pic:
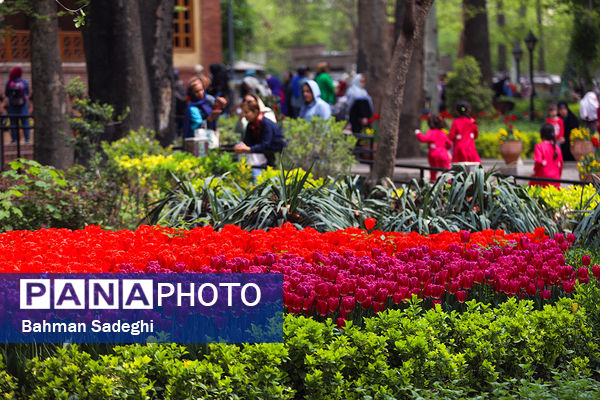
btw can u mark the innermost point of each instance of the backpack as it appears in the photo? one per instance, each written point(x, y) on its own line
point(16, 93)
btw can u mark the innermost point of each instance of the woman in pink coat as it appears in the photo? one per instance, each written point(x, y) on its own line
point(463, 133)
point(548, 158)
point(438, 144)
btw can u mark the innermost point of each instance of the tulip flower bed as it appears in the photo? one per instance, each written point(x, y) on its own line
point(346, 274)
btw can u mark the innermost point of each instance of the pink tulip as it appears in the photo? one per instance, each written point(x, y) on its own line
point(583, 275)
point(586, 259)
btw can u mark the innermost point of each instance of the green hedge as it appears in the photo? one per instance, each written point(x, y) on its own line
point(398, 354)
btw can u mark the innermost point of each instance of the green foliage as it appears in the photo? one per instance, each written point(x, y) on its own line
point(502, 352)
point(473, 201)
point(229, 130)
point(135, 145)
point(89, 122)
point(588, 230)
point(163, 371)
point(146, 172)
point(464, 83)
point(320, 144)
point(458, 200)
point(286, 23)
point(244, 25)
point(287, 196)
point(8, 385)
point(33, 196)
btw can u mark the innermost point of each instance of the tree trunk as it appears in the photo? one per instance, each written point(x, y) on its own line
point(412, 31)
point(116, 63)
point(373, 47)
point(501, 21)
point(158, 43)
point(476, 36)
point(49, 97)
point(540, 43)
point(431, 69)
point(412, 106)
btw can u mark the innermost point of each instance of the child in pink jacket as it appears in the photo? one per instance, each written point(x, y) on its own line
point(463, 133)
point(548, 158)
point(438, 144)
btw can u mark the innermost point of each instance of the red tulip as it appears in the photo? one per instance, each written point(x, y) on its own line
point(376, 116)
point(341, 323)
point(461, 296)
point(370, 223)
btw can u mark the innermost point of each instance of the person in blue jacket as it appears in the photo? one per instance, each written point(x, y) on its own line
point(313, 106)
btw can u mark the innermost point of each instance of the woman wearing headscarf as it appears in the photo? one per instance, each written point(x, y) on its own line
point(251, 84)
point(570, 122)
point(17, 94)
point(262, 139)
point(200, 110)
point(266, 112)
point(277, 91)
point(360, 105)
point(313, 106)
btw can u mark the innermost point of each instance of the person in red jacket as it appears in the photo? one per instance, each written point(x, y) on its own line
point(557, 122)
point(463, 133)
point(548, 158)
point(438, 143)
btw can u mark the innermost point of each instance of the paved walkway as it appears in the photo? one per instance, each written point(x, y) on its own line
point(523, 168)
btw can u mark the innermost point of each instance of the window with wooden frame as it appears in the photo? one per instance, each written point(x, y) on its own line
point(182, 26)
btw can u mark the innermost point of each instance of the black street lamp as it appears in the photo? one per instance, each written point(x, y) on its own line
point(517, 54)
point(530, 41)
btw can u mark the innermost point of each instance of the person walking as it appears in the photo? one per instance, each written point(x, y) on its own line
point(438, 144)
point(463, 133)
point(314, 105)
point(548, 158)
point(17, 94)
